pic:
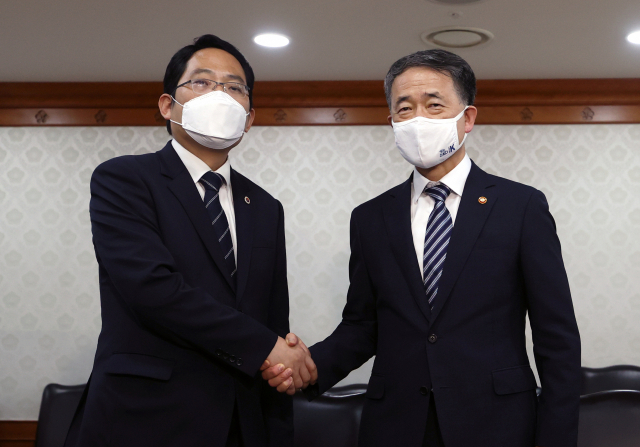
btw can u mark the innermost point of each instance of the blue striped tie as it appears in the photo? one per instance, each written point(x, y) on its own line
point(436, 240)
point(212, 181)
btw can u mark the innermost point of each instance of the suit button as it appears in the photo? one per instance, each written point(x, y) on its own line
point(225, 355)
point(433, 338)
point(424, 390)
point(239, 361)
point(218, 352)
point(232, 359)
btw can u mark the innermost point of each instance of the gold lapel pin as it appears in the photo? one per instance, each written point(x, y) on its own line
point(482, 200)
point(246, 199)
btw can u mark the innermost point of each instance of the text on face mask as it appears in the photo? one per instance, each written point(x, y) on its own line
point(445, 152)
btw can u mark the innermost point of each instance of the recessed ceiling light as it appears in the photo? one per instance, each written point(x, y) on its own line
point(271, 40)
point(456, 37)
point(634, 37)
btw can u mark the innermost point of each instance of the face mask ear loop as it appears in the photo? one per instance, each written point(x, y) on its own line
point(463, 140)
point(247, 114)
point(181, 104)
point(176, 101)
point(460, 115)
point(465, 134)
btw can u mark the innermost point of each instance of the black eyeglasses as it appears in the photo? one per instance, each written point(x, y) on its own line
point(204, 86)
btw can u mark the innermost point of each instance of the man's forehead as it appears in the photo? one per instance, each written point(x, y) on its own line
point(425, 80)
point(418, 76)
point(214, 61)
point(211, 73)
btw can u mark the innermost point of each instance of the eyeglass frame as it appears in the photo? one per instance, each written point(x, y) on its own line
point(223, 84)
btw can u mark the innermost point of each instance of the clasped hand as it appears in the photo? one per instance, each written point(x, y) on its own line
point(289, 366)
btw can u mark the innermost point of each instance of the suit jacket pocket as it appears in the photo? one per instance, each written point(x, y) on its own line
point(513, 380)
point(141, 365)
point(375, 388)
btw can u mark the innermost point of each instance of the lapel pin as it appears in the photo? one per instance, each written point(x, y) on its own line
point(482, 200)
point(246, 199)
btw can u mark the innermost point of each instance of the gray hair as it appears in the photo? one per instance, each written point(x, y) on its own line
point(464, 80)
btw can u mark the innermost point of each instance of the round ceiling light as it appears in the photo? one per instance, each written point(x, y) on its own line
point(456, 37)
point(634, 37)
point(271, 40)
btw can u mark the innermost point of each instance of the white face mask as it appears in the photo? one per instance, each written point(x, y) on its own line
point(214, 120)
point(426, 142)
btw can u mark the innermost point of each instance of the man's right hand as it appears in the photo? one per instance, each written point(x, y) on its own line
point(293, 363)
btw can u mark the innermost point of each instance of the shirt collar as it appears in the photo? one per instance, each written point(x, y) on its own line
point(454, 179)
point(196, 167)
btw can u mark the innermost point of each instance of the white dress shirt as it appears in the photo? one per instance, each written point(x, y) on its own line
point(422, 204)
point(197, 168)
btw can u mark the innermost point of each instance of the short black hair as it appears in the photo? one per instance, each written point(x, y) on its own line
point(178, 64)
point(443, 61)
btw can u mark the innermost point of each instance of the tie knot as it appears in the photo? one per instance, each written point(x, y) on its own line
point(438, 192)
point(212, 180)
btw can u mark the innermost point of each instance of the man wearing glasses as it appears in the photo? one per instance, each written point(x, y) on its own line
point(193, 281)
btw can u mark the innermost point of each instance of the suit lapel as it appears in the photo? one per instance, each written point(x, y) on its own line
point(470, 220)
point(244, 213)
point(397, 216)
point(182, 186)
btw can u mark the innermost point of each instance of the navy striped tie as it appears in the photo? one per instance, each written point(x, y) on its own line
point(436, 240)
point(212, 181)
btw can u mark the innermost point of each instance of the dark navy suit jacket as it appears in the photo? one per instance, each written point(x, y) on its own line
point(180, 344)
point(503, 260)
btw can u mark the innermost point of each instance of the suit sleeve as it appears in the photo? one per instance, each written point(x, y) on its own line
point(278, 407)
point(556, 340)
point(354, 340)
point(130, 249)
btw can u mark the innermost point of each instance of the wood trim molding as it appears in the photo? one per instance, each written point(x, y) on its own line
point(299, 103)
point(18, 433)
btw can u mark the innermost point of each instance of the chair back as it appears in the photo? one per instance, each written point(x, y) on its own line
point(610, 418)
point(331, 420)
point(59, 403)
point(618, 377)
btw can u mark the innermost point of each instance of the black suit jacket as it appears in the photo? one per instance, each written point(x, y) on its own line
point(503, 261)
point(180, 346)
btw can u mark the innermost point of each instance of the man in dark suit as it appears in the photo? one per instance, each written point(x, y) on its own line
point(444, 269)
point(193, 280)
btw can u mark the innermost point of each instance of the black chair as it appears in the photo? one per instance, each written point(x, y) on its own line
point(331, 420)
point(619, 377)
point(610, 419)
point(59, 403)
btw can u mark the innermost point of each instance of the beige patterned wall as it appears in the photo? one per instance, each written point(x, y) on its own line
point(49, 309)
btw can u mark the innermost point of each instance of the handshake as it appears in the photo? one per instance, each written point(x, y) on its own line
point(289, 366)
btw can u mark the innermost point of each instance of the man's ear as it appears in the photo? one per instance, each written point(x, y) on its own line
point(165, 104)
point(390, 120)
point(470, 118)
point(250, 118)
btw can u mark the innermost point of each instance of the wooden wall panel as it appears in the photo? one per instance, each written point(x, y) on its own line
point(542, 101)
point(81, 117)
point(18, 433)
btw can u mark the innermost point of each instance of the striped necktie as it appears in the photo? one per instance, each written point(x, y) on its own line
point(436, 240)
point(212, 181)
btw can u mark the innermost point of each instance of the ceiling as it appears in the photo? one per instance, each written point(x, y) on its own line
point(132, 40)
